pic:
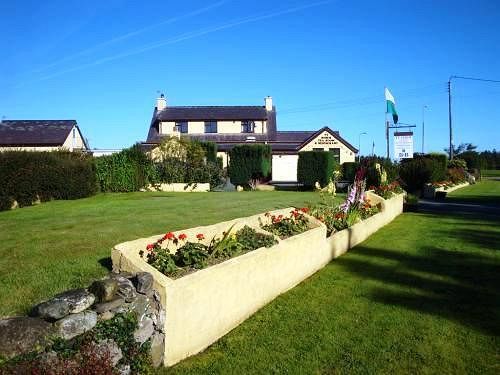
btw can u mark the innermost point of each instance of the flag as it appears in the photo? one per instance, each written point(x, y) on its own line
point(391, 105)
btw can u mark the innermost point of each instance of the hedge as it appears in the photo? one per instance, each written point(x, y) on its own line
point(349, 170)
point(249, 162)
point(27, 177)
point(315, 166)
point(210, 151)
point(125, 171)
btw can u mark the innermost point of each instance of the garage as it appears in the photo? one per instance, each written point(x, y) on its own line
point(285, 168)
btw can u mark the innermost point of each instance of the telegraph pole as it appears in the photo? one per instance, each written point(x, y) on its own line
point(449, 117)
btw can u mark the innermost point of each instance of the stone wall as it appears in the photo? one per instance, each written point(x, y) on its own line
point(75, 312)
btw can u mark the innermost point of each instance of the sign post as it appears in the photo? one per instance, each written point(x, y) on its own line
point(403, 145)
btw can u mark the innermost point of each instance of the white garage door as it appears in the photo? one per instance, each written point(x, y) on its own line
point(285, 167)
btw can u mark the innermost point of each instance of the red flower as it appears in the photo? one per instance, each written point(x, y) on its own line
point(150, 246)
point(200, 236)
point(305, 210)
point(182, 236)
point(169, 236)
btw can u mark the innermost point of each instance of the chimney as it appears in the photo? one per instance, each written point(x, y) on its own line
point(269, 103)
point(161, 103)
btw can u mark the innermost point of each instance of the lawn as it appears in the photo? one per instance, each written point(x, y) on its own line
point(419, 296)
point(58, 245)
point(485, 192)
point(490, 173)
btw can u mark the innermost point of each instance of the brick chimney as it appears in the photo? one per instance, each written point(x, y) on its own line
point(269, 103)
point(161, 103)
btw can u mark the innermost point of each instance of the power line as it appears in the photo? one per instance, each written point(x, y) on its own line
point(476, 79)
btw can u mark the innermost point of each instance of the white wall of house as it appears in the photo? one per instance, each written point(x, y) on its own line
point(223, 127)
point(326, 141)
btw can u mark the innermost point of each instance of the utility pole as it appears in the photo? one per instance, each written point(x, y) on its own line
point(449, 117)
point(359, 145)
point(387, 137)
point(423, 126)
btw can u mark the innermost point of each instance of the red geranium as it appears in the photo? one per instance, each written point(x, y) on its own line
point(169, 236)
point(200, 236)
point(305, 210)
point(182, 236)
point(150, 246)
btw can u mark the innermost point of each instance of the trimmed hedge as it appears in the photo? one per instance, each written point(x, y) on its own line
point(439, 166)
point(27, 177)
point(249, 162)
point(315, 166)
point(349, 170)
point(125, 171)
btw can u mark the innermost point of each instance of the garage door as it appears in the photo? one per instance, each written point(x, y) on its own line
point(285, 168)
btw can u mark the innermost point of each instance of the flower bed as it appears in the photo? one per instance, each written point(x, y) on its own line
point(203, 306)
point(430, 190)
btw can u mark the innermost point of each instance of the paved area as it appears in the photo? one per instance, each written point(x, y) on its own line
point(433, 206)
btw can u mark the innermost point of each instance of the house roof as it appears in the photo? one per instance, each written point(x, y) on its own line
point(335, 134)
point(35, 132)
point(202, 113)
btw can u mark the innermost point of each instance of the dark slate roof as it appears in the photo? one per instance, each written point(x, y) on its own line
point(335, 134)
point(221, 113)
point(35, 132)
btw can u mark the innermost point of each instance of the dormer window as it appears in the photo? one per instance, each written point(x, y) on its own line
point(181, 126)
point(211, 126)
point(247, 126)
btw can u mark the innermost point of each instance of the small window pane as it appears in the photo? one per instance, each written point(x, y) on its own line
point(318, 149)
point(181, 126)
point(210, 126)
point(247, 126)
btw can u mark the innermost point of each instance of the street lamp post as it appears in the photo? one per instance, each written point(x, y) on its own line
point(359, 145)
point(423, 126)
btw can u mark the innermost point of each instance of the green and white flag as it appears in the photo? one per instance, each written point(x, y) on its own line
point(391, 105)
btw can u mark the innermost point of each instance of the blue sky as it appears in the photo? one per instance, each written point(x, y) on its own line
point(324, 63)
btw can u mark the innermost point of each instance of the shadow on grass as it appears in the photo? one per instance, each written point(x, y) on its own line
point(492, 201)
point(106, 263)
point(450, 284)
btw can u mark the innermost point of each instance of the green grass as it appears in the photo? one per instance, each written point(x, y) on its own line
point(58, 245)
point(485, 192)
point(490, 173)
point(419, 296)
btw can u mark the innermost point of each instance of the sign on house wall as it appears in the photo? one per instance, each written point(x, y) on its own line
point(403, 145)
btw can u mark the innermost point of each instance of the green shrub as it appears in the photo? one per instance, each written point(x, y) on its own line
point(349, 171)
point(415, 172)
point(210, 149)
point(439, 166)
point(125, 171)
point(249, 163)
point(315, 166)
point(27, 177)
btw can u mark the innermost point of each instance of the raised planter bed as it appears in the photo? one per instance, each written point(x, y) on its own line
point(430, 191)
point(205, 305)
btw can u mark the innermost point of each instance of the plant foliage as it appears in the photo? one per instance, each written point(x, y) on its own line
point(249, 163)
point(315, 166)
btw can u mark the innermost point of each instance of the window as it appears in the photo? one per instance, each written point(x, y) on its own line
point(247, 126)
point(181, 126)
point(336, 154)
point(210, 126)
point(318, 149)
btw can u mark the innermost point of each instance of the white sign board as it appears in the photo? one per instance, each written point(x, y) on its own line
point(403, 145)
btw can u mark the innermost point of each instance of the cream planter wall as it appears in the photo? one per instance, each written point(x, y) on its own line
point(205, 305)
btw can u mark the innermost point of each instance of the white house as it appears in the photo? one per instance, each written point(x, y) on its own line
point(228, 126)
point(41, 135)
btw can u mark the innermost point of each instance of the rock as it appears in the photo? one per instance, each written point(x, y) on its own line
point(144, 330)
point(110, 305)
point(112, 348)
point(23, 334)
point(104, 290)
point(76, 324)
point(126, 275)
point(123, 369)
point(142, 307)
point(157, 349)
point(125, 288)
point(53, 309)
point(144, 282)
point(59, 306)
point(161, 320)
point(107, 315)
